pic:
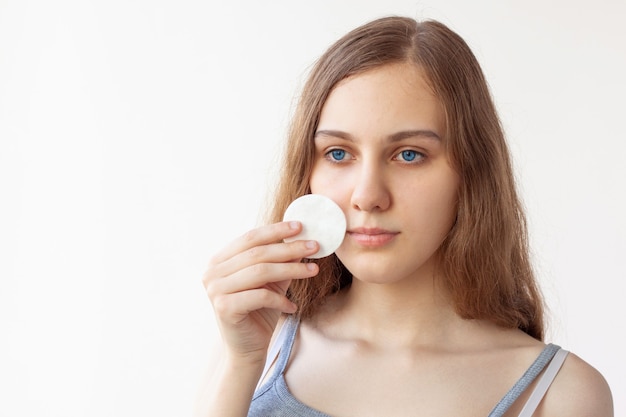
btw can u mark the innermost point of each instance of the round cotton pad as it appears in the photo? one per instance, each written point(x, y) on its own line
point(322, 220)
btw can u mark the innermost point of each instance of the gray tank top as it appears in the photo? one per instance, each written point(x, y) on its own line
point(273, 398)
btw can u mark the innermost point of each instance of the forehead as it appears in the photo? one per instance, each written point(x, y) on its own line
point(391, 97)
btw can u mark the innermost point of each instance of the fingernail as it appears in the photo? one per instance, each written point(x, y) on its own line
point(293, 225)
point(311, 244)
point(310, 266)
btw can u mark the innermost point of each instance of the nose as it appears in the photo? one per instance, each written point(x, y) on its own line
point(370, 191)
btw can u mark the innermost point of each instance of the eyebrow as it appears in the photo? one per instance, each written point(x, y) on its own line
point(398, 136)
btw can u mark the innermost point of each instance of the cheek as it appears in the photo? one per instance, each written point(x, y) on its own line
point(329, 183)
point(317, 181)
point(323, 181)
point(434, 203)
point(448, 203)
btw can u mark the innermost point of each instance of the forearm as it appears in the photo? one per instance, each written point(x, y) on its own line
point(229, 390)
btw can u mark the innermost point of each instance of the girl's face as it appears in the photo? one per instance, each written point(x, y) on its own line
point(380, 156)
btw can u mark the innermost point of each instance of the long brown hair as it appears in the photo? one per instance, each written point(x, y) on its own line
point(484, 260)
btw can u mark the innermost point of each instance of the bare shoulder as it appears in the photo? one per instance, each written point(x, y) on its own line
point(578, 390)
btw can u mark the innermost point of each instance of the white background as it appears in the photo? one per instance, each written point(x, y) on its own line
point(138, 137)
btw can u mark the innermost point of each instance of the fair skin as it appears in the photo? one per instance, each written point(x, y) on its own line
point(392, 343)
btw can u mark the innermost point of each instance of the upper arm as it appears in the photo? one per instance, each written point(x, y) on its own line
point(578, 390)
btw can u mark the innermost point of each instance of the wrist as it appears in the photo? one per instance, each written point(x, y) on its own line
point(232, 387)
point(244, 360)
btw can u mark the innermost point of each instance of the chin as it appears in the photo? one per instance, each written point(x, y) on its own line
point(372, 273)
point(376, 269)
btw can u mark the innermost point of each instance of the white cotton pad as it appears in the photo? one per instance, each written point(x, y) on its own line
point(322, 220)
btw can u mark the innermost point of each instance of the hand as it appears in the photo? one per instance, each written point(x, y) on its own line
point(247, 281)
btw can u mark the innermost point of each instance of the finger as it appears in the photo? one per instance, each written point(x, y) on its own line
point(236, 307)
point(260, 275)
point(271, 253)
point(260, 236)
point(274, 253)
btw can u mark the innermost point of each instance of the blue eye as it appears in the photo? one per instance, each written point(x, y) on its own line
point(337, 154)
point(408, 155)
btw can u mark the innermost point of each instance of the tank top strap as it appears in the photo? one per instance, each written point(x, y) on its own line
point(279, 352)
point(544, 383)
point(527, 378)
point(290, 330)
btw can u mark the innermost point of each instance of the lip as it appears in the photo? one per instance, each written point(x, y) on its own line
point(371, 237)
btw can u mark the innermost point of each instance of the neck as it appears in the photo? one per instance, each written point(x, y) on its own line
point(409, 312)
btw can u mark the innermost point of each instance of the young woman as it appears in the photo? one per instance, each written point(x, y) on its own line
point(429, 307)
